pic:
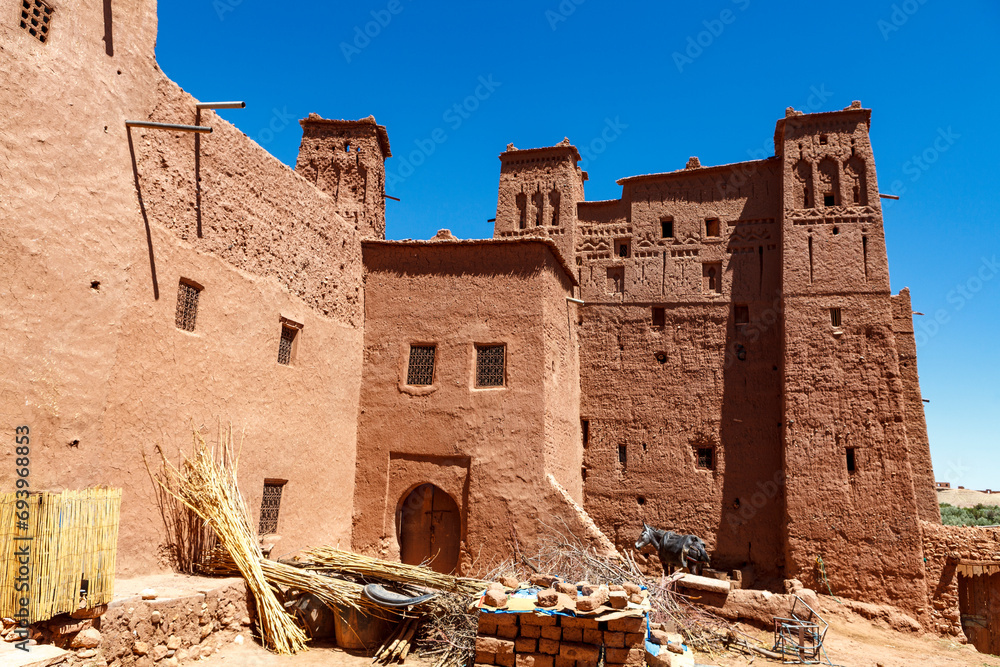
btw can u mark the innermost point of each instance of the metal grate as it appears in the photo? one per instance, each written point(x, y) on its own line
point(270, 503)
point(490, 365)
point(421, 370)
point(187, 306)
point(285, 344)
point(35, 18)
point(835, 317)
point(706, 458)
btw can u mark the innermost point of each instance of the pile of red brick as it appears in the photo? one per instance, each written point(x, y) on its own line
point(531, 639)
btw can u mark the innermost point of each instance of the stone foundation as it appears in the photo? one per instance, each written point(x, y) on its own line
point(164, 632)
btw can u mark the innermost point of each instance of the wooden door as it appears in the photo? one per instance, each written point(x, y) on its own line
point(979, 604)
point(429, 528)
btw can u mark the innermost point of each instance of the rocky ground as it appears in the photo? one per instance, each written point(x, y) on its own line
point(852, 641)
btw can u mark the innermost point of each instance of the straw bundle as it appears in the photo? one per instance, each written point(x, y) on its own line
point(328, 559)
point(208, 486)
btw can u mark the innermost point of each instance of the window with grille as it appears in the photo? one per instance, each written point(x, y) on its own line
point(286, 344)
point(270, 503)
point(187, 305)
point(706, 458)
point(835, 317)
point(490, 365)
point(421, 368)
point(35, 19)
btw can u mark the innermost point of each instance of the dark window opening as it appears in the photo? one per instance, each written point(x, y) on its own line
point(286, 344)
point(828, 199)
point(187, 306)
point(667, 228)
point(712, 227)
point(741, 314)
point(35, 19)
point(95, 284)
point(490, 361)
point(585, 427)
point(522, 210)
point(623, 249)
point(864, 253)
point(659, 317)
point(661, 357)
point(109, 41)
point(822, 139)
point(810, 260)
point(421, 368)
point(836, 230)
point(835, 317)
point(641, 500)
point(852, 464)
point(583, 473)
point(270, 503)
point(623, 455)
point(706, 458)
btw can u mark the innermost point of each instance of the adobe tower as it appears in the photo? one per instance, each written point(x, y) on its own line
point(346, 160)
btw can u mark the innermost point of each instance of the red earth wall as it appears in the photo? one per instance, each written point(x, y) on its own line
point(91, 266)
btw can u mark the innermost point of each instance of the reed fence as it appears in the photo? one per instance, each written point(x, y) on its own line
point(72, 542)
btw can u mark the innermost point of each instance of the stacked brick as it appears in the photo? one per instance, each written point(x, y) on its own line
point(531, 639)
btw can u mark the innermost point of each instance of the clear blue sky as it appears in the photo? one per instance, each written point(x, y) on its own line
point(674, 80)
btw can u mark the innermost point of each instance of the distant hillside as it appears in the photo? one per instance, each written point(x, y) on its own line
point(967, 497)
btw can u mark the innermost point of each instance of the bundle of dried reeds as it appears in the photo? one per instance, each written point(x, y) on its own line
point(207, 484)
point(328, 559)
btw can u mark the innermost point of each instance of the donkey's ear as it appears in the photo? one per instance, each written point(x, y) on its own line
point(645, 525)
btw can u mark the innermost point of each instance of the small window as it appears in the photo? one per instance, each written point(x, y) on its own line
point(852, 463)
point(667, 228)
point(186, 314)
point(741, 315)
point(712, 227)
point(490, 362)
point(585, 428)
point(823, 140)
point(659, 317)
point(421, 368)
point(287, 343)
point(616, 280)
point(711, 276)
point(270, 503)
point(661, 357)
point(623, 249)
point(828, 199)
point(623, 455)
point(706, 458)
point(835, 317)
point(35, 19)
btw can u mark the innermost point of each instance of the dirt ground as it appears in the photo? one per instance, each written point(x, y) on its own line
point(850, 642)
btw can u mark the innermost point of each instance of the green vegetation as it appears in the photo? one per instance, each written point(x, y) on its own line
point(980, 515)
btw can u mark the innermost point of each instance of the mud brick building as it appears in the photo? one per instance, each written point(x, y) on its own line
point(717, 351)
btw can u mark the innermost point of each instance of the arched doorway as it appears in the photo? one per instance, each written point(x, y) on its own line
point(429, 529)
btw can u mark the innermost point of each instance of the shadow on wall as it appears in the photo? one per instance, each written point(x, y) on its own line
point(752, 502)
point(145, 216)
